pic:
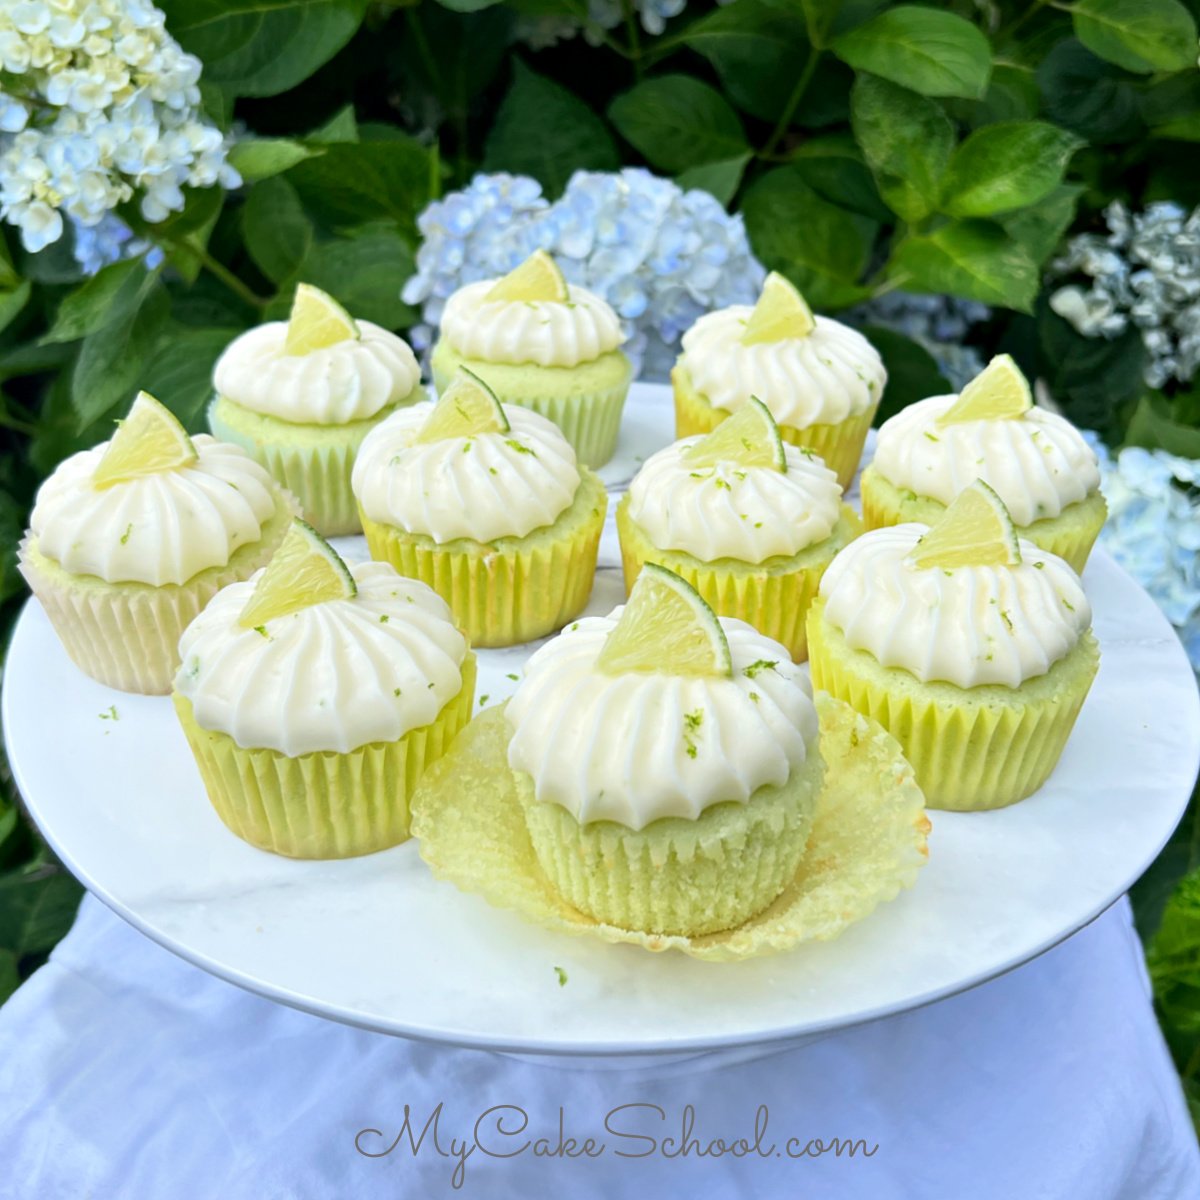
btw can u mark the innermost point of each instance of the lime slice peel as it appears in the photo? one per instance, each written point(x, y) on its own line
point(304, 571)
point(537, 278)
point(467, 408)
point(749, 438)
point(974, 531)
point(999, 392)
point(149, 440)
point(317, 321)
point(781, 313)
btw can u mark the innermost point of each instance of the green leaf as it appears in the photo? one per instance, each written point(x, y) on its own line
point(341, 127)
point(355, 182)
point(906, 140)
point(823, 249)
point(912, 372)
point(720, 179)
point(275, 229)
point(928, 50)
point(1154, 426)
point(13, 301)
point(179, 370)
point(833, 166)
point(37, 906)
point(10, 977)
point(1004, 166)
point(677, 122)
point(111, 360)
point(262, 47)
point(1088, 96)
point(113, 294)
point(467, 6)
point(364, 274)
point(1012, 95)
point(1040, 227)
point(1172, 107)
point(260, 158)
point(569, 136)
point(976, 260)
point(1173, 958)
point(755, 47)
point(1140, 35)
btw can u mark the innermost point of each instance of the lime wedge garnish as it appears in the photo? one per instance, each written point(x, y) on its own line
point(150, 439)
point(975, 531)
point(305, 570)
point(466, 408)
point(1000, 391)
point(749, 438)
point(537, 278)
point(317, 321)
point(666, 627)
point(781, 312)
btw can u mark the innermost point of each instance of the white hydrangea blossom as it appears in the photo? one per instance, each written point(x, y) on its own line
point(100, 105)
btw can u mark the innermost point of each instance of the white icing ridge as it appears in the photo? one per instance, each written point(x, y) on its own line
point(486, 486)
point(640, 746)
point(549, 333)
point(1038, 463)
point(330, 677)
point(821, 379)
point(348, 381)
point(161, 528)
point(968, 625)
point(731, 511)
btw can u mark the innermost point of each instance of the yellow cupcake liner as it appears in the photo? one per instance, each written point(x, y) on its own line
point(773, 596)
point(678, 876)
point(315, 468)
point(867, 843)
point(514, 590)
point(1071, 535)
point(971, 749)
point(324, 804)
point(126, 635)
point(840, 444)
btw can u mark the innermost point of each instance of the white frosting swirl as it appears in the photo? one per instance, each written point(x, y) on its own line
point(334, 676)
point(729, 511)
point(159, 529)
point(549, 333)
point(1038, 463)
point(831, 374)
point(486, 486)
point(967, 626)
point(348, 381)
point(636, 747)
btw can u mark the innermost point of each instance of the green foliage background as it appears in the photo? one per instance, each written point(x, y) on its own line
point(870, 146)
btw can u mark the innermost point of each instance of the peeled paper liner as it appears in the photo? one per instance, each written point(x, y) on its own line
point(868, 840)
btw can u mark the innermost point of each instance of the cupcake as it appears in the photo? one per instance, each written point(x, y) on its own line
point(1037, 462)
point(301, 395)
point(970, 646)
point(666, 761)
point(314, 695)
point(128, 541)
point(751, 522)
point(821, 380)
point(543, 344)
point(487, 504)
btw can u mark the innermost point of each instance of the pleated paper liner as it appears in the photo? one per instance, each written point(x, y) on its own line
point(313, 462)
point(840, 445)
point(1070, 535)
point(126, 635)
point(868, 841)
point(513, 590)
point(971, 748)
point(773, 596)
point(323, 805)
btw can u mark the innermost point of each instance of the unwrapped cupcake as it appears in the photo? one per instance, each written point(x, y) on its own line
point(314, 696)
point(487, 504)
point(301, 395)
point(544, 344)
point(750, 521)
point(667, 763)
point(128, 541)
point(1036, 461)
point(972, 647)
point(821, 380)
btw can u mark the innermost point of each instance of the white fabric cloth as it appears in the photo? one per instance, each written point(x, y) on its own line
point(128, 1074)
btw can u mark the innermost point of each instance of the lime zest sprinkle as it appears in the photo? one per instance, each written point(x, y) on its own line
point(383, 618)
point(111, 714)
point(128, 531)
point(484, 699)
point(561, 975)
point(691, 725)
point(395, 691)
point(262, 629)
point(512, 676)
point(756, 668)
point(519, 447)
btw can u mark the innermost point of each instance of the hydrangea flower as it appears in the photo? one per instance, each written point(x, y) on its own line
point(1153, 530)
point(662, 257)
point(542, 30)
point(109, 241)
point(1146, 272)
point(100, 104)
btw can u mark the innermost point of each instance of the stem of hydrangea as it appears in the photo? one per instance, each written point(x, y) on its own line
point(218, 270)
point(579, 8)
point(789, 111)
point(635, 37)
